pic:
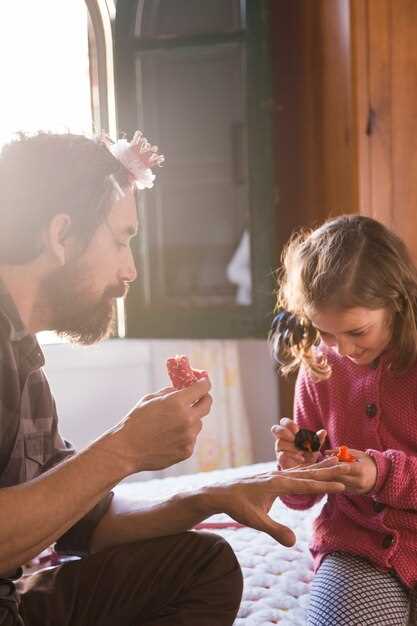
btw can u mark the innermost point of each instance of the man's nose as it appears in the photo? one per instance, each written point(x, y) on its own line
point(129, 272)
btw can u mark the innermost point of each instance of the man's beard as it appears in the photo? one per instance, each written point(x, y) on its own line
point(76, 312)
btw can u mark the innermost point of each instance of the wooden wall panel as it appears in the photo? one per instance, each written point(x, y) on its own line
point(404, 120)
point(372, 72)
point(384, 39)
point(361, 106)
point(312, 114)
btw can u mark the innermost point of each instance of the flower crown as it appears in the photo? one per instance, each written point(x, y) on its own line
point(138, 156)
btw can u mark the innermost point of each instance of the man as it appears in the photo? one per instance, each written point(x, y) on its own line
point(67, 218)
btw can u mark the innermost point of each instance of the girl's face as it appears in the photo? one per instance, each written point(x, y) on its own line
point(359, 334)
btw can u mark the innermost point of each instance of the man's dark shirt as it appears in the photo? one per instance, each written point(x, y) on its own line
point(30, 443)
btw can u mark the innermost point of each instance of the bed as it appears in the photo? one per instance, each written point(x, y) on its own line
point(276, 579)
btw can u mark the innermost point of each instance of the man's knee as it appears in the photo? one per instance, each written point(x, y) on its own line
point(8, 604)
point(9, 617)
point(223, 566)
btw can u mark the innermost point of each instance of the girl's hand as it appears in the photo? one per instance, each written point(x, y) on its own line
point(362, 476)
point(287, 454)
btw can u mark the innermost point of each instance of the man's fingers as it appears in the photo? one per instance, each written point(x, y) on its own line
point(328, 461)
point(192, 394)
point(325, 470)
point(311, 481)
point(157, 394)
point(284, 535)
point(302, 486)
point(202, 407)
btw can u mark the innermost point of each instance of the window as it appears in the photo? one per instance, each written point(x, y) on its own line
point(194, 75)
point(44, 67)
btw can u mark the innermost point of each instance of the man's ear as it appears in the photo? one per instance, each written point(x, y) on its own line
point(56, 237)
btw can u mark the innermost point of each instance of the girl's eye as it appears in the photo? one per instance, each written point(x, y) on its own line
point(357, 333)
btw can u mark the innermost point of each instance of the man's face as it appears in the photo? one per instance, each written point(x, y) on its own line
point(81, 294)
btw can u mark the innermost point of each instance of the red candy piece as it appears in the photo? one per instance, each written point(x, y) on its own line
point(344, 455)
point(181, 373)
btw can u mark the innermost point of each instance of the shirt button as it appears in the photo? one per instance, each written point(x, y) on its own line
point(378, 507)
point(388, 541)
point(371, 410)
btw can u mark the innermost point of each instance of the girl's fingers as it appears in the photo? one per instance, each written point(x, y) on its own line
point(310, 457)
point(290, 424)
point(352, 451)
point(285, 446)
point(321, 434)
point(281, 432)
point(288, 460)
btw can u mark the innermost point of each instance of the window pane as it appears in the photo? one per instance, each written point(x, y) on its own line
point(194, 101)
point(169, 18)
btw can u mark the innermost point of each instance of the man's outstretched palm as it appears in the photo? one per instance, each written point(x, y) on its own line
point(249, 500)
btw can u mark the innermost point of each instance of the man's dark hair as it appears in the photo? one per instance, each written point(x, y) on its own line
point(47, 174)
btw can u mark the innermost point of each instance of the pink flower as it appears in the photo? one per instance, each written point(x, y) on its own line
point(138, 156)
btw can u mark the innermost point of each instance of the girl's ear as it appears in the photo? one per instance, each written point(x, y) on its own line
point(56, 238)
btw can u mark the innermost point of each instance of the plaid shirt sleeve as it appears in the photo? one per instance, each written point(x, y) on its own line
point(30, 443)
point(77, 539)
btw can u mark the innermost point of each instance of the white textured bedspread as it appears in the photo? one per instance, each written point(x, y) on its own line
point(276, 578)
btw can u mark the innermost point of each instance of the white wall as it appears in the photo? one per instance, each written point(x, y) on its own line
point(96, 386)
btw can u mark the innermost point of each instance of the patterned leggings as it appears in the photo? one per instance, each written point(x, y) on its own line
point(349, 591)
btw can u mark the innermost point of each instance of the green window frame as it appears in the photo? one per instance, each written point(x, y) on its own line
point(158, 318)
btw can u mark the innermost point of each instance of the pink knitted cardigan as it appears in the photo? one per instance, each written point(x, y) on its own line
point(373, 409)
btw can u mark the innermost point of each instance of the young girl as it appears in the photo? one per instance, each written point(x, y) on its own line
point(347, 302)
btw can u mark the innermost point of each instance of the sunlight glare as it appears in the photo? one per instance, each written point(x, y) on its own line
point(44, 67)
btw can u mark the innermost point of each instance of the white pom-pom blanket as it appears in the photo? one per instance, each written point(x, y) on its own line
point(276, 579)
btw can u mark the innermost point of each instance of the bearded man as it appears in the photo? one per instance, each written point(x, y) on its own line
point(68, 215)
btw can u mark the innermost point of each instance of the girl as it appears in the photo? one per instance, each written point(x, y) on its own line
point(347, 303)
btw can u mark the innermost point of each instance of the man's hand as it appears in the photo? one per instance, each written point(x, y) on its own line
point(363, 473)
point(163, 427)
point(249, 500)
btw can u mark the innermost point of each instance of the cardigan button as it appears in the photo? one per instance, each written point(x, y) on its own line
point(371, 410)
point(388, 541)
point(378, 507)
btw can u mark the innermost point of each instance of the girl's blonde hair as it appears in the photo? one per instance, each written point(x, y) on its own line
point(350, 261)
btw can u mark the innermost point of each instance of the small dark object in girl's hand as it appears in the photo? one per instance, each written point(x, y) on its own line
point(307, 440)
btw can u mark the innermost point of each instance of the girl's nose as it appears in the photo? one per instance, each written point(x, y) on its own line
point(342, 346)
